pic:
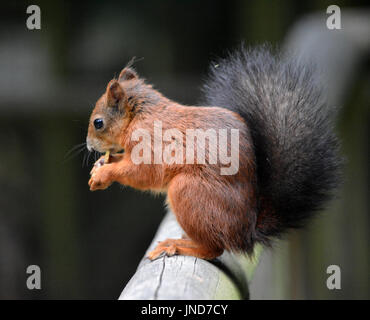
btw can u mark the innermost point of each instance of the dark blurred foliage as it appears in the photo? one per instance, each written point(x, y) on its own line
point(89, 244)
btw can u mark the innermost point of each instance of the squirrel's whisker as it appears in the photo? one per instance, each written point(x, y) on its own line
point(74, 151)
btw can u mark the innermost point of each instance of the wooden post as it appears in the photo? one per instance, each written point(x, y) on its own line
point(182, 277)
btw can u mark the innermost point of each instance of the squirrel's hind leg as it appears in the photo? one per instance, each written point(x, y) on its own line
point(186, 247)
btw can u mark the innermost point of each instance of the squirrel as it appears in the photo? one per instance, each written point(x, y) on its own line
point(288, 162)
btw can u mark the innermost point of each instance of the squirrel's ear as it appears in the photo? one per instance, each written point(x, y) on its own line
point(127, 74)
point(114, 93)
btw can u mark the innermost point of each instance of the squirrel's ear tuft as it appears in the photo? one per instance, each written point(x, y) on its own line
point(114, 93)
point(127, 74)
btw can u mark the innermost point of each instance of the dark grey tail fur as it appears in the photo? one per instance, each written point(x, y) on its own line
point(296, 149)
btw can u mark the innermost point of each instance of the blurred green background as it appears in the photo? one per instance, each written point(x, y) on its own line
point(89, 244)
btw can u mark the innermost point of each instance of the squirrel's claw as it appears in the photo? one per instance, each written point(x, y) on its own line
point(160, 251)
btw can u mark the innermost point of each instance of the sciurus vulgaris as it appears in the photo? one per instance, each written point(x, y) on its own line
point(288, 152)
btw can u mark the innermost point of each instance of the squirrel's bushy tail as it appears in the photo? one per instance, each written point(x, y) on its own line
point(296, 149)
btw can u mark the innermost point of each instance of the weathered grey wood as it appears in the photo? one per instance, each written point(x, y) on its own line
point(181, 277)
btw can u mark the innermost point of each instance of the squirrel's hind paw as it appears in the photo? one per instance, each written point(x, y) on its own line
point(161, 251)
point(184, 247)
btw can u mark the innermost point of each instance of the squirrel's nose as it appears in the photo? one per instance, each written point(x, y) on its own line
point(88, 145)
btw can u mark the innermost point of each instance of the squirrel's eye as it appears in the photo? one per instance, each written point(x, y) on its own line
point(98, 123)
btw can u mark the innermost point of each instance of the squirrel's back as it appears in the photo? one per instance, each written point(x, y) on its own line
point(282, 103)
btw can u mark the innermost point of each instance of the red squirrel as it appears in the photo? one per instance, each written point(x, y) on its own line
point(287, 165)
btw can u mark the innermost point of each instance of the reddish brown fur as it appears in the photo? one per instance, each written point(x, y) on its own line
point(216, 211)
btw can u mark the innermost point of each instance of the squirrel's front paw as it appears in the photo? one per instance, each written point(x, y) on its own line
point(100, 179)
point(101, 161)
point(97, 164)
